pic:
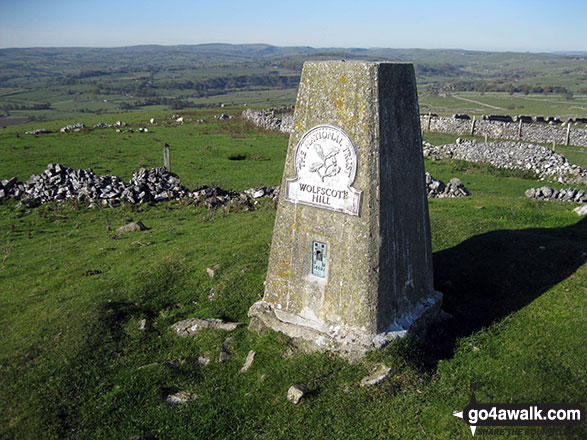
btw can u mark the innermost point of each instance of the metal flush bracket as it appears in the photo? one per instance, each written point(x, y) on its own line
point(319, 259)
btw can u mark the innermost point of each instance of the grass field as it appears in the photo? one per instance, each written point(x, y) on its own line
point(74, 364)
point(504, 104)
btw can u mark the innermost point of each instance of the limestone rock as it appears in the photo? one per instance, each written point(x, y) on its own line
point(248, 361)
point(581, 210)
point(296, 392)
point(212, 270)
point(131, 227)
point(73, 127)
point(379, 373)
point(437, 188)
point(180, 397)
point(191, 326)
point(203, 360)
point(38, 131)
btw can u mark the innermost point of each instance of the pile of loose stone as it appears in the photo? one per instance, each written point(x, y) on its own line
point(38, 131)
point(61, 183)
point(78, 126)
point(512, 155)
point(563, 195)
point(438, 189)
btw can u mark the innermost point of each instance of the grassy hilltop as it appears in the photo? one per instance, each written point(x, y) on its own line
point(74, 363)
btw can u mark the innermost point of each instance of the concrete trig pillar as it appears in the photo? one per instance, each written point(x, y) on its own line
point(351, 262)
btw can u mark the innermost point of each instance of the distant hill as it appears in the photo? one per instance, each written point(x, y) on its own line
point(70, 59)
point(58, 82)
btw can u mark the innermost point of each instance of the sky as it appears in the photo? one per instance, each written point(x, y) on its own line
point(494, 25)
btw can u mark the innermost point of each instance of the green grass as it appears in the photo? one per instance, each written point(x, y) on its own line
point(504, 104)
point(74, 364)
point(199, 153)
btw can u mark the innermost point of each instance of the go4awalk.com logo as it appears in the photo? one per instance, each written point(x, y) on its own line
point(526, 418)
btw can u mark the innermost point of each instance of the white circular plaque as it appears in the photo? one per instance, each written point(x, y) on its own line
point(326, 166)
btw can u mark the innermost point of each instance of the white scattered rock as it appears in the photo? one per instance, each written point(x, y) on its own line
point(190, 326)
point(131, 227)
point(248, 361)
point(379, 373)
point(71, 128)
point(296, 392)
point(38, 131)
point(203, 360)
point(581, 210)
point(180, 398)
point(143, 324)
point(212, 270)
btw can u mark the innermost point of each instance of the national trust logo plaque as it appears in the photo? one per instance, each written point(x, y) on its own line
point(326, 166)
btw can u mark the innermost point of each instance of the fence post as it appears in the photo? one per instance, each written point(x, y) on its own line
point(568, 138)
point(473, 126)
point(166, 158)
point(520, 130)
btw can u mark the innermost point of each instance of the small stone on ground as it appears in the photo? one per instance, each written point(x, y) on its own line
point(380, 373)
point(581, 210)
point(191, 326)
point(131, 227)
point(180, 397)
point(212, 270)
point(296, 392)
point(248, 361)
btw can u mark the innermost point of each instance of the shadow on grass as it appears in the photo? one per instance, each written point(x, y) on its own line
point(489, 276)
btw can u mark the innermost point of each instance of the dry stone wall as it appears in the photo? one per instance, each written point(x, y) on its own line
point(530, 132)
point(560, 195)
point(280, 119)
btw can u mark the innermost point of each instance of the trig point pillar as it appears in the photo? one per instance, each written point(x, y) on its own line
point(351, 263)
